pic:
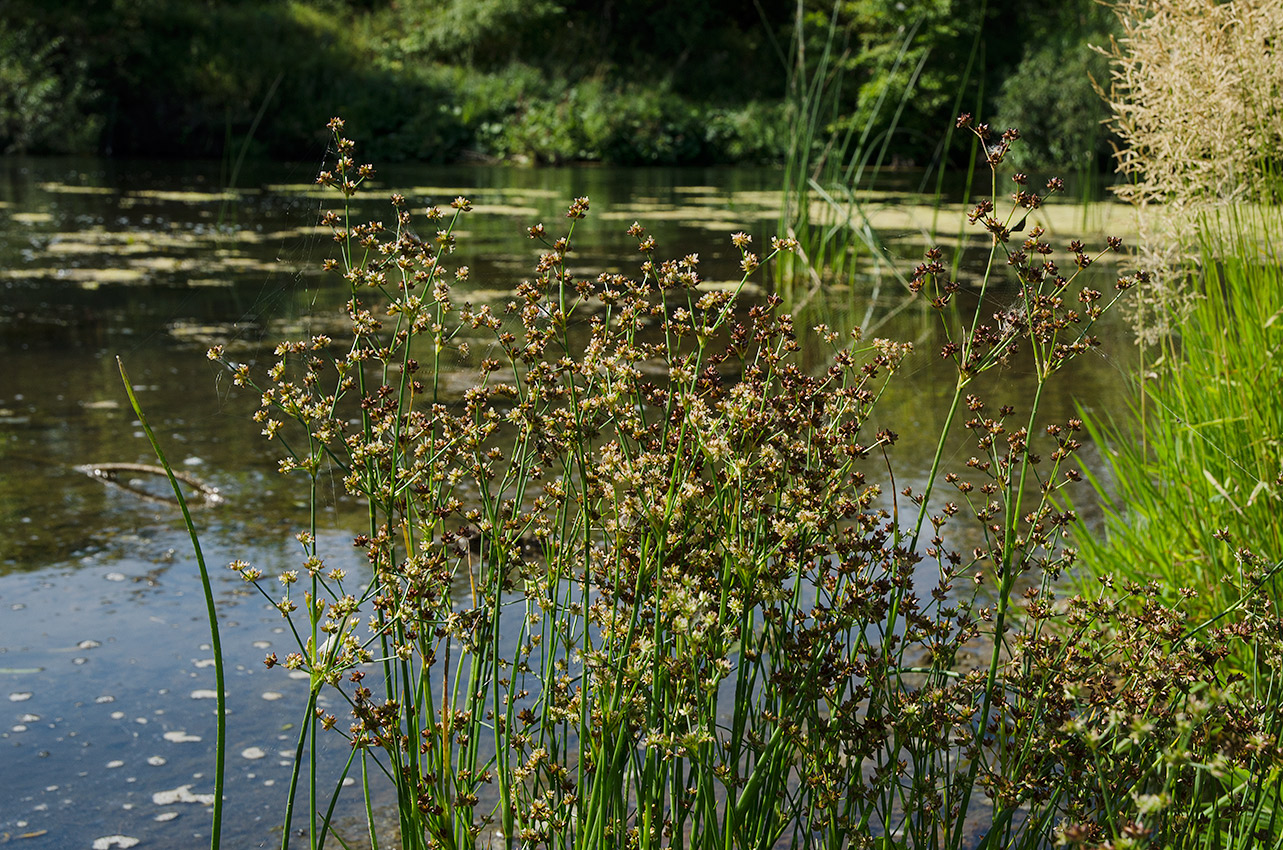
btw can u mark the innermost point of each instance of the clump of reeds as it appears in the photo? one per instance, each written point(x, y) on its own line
point(829, 160)
point(650, 582)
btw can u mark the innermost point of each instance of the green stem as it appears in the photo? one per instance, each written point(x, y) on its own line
point(935, 461)
point(294, 771)
point(215, 642)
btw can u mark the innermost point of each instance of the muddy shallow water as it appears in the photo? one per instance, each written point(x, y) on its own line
point(106, 683)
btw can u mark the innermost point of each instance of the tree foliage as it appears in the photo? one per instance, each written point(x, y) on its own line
point(547, 80)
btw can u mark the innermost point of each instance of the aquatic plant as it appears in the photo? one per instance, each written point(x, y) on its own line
point(826, 160)
point(216, 643)
point(651, 581)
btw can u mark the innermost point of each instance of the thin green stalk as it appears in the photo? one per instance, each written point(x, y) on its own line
point(936, 459)
point(249, 137)
point(297, 767)
point(369, 803)
point(314, 615)
point(328, 819)
point(210, 612)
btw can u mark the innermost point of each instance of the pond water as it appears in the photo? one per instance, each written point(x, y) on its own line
point(106, 683)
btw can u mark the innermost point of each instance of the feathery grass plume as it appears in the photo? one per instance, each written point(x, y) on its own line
point(1194, 92)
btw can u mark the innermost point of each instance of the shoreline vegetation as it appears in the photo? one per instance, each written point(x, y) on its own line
point(733, 628)
point(651, 580)
point(549, 81)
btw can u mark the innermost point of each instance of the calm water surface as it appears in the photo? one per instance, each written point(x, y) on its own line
point(106, 700)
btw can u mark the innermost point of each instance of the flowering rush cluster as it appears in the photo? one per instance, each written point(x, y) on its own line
point(636, 569)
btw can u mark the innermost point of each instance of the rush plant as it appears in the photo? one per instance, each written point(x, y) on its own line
point(649, 580)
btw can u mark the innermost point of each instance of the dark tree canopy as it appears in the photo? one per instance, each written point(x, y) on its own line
point(671, 81)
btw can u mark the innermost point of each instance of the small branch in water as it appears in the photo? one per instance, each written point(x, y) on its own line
point(107, 472)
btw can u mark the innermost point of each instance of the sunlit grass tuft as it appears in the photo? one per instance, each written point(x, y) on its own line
point(1201, 465)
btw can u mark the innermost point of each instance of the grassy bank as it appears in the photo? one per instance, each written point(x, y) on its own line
point(1194, 478)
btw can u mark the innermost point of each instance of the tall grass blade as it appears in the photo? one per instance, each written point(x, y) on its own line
point(1206, 467)
point(215, 642)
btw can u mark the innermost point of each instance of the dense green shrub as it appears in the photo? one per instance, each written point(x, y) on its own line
point(633, 126)
point(1025, 61)
point(548, 81)
point(1051, 93)
point(44, 93)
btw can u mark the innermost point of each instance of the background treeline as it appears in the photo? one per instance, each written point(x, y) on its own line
point(535, 80)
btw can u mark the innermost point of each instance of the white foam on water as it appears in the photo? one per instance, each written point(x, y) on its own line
point(108, 841)
point(252, 753)
point(180, 737)
point(181, 794)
